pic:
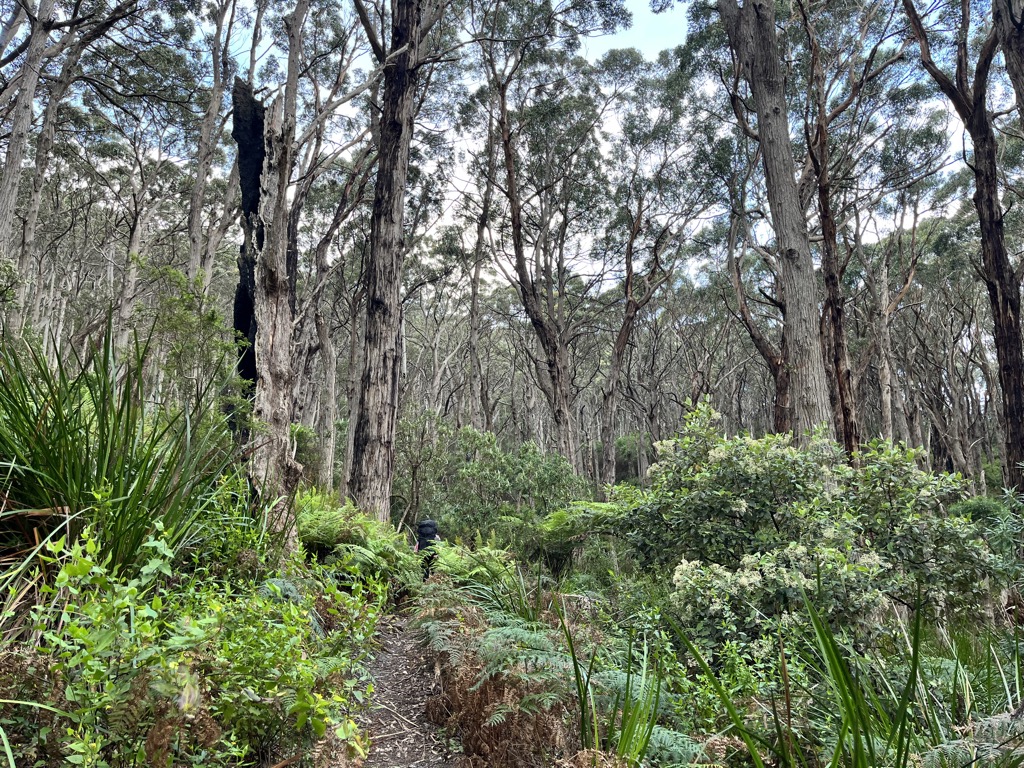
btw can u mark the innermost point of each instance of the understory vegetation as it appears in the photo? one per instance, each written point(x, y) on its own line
point(758, 603)
point(148, 617)
point(751, 603)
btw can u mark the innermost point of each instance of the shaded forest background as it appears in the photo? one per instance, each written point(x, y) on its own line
point(584, 248)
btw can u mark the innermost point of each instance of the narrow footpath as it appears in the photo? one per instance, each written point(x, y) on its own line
point(403, 680)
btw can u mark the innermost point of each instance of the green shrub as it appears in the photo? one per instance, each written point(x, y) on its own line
point(202, 673)
point(981, 509)
point(484, 563)
point(566, 531)
point(470, 484)
point(307, 449)
point(765, 592)
point(232, 542)
point(751, 525)
point(717, 499)
point(1000, 523)
point(916, 702)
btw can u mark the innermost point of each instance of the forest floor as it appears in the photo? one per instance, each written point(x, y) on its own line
point(396, 721)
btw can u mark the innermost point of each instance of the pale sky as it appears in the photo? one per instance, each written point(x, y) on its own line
point(651, 33)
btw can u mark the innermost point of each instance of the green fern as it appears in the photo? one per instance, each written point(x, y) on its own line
point(992, 741)
point(670, 748)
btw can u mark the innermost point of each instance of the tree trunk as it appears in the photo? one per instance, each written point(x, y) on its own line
point(58, 88)
point(1004, 298)
point(885, 379)
point(129, 280)
point(847, 425)
point(775, 359)
point(565, 425)
point(274, 473)
point(328, 403)
point(200, 257)
point(477, 395)
point(655, 279)
point(247, 131)
point(355, 364)
point(609, 405)
point(1003, 285)
point(968, 93)
point(17, 143)
point(374, 438)
point(782, 412)
point(752, 37)
point(1008, 18)
point(44, 147)
point(555, 377)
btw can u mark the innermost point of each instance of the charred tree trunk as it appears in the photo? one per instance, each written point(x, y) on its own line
point(373, 446)
point(247, 131)
point(273, 471)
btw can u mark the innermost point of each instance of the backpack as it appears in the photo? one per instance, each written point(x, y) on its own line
point(426, 534)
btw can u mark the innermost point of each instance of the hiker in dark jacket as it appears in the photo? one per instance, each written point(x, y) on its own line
point(426, 535)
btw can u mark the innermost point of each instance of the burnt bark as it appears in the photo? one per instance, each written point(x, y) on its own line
point(273, 471)
point(247, 131)
point(373, 444)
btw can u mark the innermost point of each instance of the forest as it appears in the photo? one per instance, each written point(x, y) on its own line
point(392, 383)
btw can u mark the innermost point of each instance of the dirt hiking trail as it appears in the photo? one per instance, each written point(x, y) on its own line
point(396, 721)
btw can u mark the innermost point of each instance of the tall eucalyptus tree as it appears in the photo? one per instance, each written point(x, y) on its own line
point(969, 90)
point(758, 59)
point(548, 108)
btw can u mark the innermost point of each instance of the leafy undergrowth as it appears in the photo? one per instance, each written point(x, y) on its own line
point(146, 614)
point(529, 679)
point(150, 669)
point(760, 604)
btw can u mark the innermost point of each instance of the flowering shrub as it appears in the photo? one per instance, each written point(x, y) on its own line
point(767, 588)
point(750, 526)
